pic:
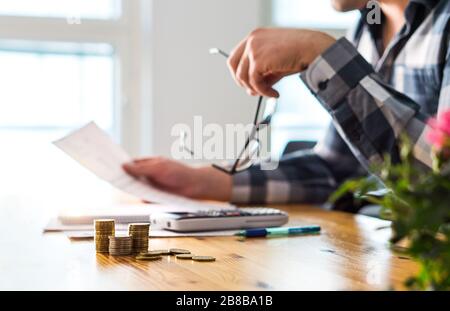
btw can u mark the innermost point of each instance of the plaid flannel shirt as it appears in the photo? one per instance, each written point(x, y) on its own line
point(373, 99)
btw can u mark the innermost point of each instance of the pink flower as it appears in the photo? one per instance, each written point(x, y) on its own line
point(436, 138)
point(439, 133)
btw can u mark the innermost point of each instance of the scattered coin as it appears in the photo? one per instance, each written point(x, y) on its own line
point(203, 258)
point(151, 253)
point(163, 252)
point(178, 251)
point(148, 258)
point(184, 256)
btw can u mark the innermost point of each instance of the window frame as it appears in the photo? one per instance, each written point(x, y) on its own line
point(129, 34)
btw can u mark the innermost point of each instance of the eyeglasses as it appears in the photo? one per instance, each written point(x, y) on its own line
point(250, 153)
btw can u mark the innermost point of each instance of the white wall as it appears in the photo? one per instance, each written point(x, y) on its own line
point(186, 80)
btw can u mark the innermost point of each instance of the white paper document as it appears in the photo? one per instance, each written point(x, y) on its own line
point(85, 231)
point(78, 235)
point(95, 150)
point(121, 213)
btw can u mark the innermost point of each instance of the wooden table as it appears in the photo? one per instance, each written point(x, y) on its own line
point(351, 253)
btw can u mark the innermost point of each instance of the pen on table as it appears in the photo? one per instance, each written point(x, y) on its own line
point(282, 231)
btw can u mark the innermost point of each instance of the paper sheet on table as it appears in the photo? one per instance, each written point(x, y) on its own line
point(94, 149)
point(81, 235)
point(79, 224)
point(121, 213)
point(86, 231)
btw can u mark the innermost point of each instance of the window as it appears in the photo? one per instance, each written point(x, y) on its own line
point(64, 63)
point(300, 117)
point(311, 14)
point(92, 9)
point(66, 85)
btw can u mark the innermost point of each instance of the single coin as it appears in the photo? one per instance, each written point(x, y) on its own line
point(104, 224)
point(163, 252)
point(184, 256)
point(178, 251)
point(203, 258)
point(148, 258)
point(151, 253)
point(121, 238)
point(139, 224)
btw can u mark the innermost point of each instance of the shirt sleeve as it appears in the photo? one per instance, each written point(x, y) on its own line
point(370, 115)
point(302, 177)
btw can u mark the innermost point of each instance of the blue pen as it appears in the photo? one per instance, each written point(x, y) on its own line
point(283, 231)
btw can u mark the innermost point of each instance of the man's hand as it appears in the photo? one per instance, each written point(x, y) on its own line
point(205, 183)
point(267, 55)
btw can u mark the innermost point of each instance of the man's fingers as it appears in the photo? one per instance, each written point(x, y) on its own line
point(136, 170)
point(131, 169)
point(235, 58)
point(143, 160)
point(242, 73)
point(260, 84)
point(141, 169)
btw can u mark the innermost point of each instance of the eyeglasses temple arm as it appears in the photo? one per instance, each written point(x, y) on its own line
point(219, 51)
point(258, 108)
point(224, 54)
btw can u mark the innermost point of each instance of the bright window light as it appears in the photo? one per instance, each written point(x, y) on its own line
point(55, 87)
point(48, 90)
point(311, 14)
point(90, 9)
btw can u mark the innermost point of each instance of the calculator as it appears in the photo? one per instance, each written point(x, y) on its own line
point(214, 220)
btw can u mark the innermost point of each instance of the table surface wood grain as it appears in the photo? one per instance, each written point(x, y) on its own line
point(351, 253)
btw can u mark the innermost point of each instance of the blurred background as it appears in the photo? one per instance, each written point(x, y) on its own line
point(136, 67)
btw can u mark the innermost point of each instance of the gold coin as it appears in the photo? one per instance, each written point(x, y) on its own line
point(163, 252)
point(142, 224)
point(104, 223)
point(203, 258)
point(151, 253)
point(178, 251)
point(148, 258)
point(184, 256)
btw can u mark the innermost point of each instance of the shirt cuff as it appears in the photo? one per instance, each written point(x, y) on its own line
point(241, 191)
point(335, 73)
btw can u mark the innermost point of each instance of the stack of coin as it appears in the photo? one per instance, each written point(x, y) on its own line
point(120, 245)
point(139, 234)
point(104, 228)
